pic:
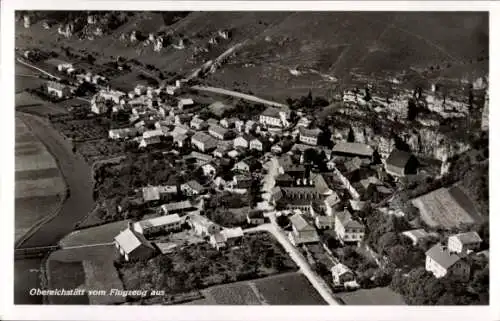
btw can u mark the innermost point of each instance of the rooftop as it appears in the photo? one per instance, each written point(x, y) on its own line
point(442, 256)
point(353, 148)
point(159, 221)
point(398, 158)
point(468, 237)
point(300, 223)
point(129, 241)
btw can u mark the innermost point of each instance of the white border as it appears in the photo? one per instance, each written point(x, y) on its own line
point(8, 311)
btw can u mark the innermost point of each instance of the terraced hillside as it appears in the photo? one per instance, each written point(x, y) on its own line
point(290, 52)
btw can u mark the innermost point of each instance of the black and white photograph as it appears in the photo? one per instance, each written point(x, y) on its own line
point(250, 157)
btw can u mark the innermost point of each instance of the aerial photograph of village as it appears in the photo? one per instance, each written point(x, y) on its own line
point(251, 158)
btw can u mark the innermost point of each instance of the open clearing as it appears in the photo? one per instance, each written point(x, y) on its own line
point(97, 271)
point(441, 208)
point(284, 289)
point(66, 275)
point(375, 296)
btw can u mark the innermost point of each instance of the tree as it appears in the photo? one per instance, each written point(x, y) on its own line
point(282, 221)
point(90, 59)
point(350, 137)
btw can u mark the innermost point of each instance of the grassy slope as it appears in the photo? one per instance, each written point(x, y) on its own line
point(332, 42)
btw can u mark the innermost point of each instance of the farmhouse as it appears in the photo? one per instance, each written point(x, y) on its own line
point(201, 225)
point(219, 132)
point(309, 136)
point(257, 144)
point(343, 276)
point(242, 141)
point(198, 123)
point(302, 232)
point(203, 142)
point(133, 246)
point(57, 89)
point(416, 236)
point(324, 222)
point(166, 223)
point(272, 117)
point(441, 262)
point(464, 243)
point(184, 102)
point(352, 150)
point(177, 207)
point(255, 217)
point(348, 230)
point(401, 163)
point(192, 187)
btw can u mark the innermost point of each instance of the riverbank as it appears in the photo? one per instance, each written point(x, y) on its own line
point(79, 202)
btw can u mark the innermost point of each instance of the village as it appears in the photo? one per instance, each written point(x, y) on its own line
point(352, 215)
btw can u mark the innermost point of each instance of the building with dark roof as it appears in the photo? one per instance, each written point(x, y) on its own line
point(401, 163)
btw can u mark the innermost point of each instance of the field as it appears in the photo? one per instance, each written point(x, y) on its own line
point(94, 235)
point(100, 149)
point(81, 130)
point(29, 103)
point(376, 296)
point(66, 275)
point(441, 208)
point(93, 270)
point(39, 185)
point(284, 289)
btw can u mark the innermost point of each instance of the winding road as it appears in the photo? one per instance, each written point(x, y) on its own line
point(317, 282)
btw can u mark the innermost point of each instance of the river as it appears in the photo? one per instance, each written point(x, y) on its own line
point(77, 174)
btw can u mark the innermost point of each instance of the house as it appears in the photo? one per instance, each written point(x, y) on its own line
point(352, 150)
point(416, 236)
point(212, 121)
point(302, 232)
point(203, 142)
point(201, 225)
point(184, 102)
point(182, 119)
point(165, 223)
point(284, 180)
point(177, 207)
point(330, 202)
point(192, 187)
point(200, 158)
point(343, 276)
point(217, 241)
point(149, 141)
point(242, 141)
point(152, 133)
point(277, 149)
point(464, 243)
point(441, 262)
point(233, 154)
point(255, 217)
point(57, 89)
point(256, 144)
point(272, 117)
point(242, 166)
point(228, 122)
point(133, 246)
point(347, 229)
point(324, 222)
point(219, 132)
point(401, 163)
point(208, 170)
point(198, 124)
point(180, 140)
point(156, 193)
point(112, 95)
point(122, 133)
point(226, 238)
point(140, 89)
point(221, 150)
point(309, 136)
point(250, 126)
point(238, 125)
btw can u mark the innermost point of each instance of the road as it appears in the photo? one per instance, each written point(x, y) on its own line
point(36, 68)
point(317, 282)
point(236, 94)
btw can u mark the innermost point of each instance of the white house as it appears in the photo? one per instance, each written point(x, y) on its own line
point(343, 276)
point(242, 141)
point(464, 242)
point(256, 144)
point(198, 123)
point(122, 133)
point(441, 262)
point(201, 225)
point(309, 136)
point(165, 223)
point(302, 232)
point(133, 246)
point(242, 166)
point(273, 117)
point(208, 170)
point(185, 102)
point(57, 89)
point(347, 229)
point(192, 187)
point(324, 222)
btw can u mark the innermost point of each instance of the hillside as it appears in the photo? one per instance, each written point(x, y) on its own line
point(289, 52)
